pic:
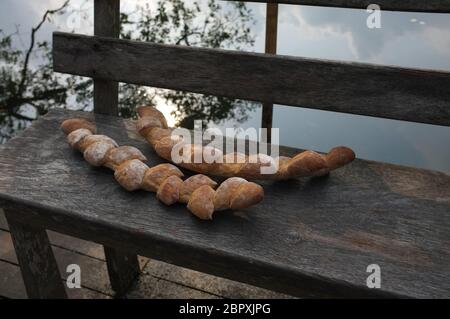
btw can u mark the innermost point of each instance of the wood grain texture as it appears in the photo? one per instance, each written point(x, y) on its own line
point(106, 97)
point(106, 24)
point(390, 92)
point(107, 18)
point(271, 48)
point(440, 6)
point(210, 284)
point(309, 237)
point(271, 28)
point(123, 270)
point(158, 279)
point(70, 243)
point(94, 273)
point(37, 262)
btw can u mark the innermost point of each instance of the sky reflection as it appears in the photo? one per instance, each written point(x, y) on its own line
point(405, 39)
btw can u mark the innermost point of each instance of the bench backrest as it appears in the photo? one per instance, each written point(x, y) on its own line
point(357, 88)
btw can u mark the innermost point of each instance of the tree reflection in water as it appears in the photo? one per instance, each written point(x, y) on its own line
point(28, 90)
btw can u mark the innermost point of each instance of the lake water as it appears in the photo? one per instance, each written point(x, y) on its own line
point(405, 39)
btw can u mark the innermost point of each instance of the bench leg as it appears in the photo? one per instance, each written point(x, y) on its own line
point(37, 263)
point(123, 269)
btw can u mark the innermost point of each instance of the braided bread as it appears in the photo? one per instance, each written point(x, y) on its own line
point(153, 127)
point(198, 192)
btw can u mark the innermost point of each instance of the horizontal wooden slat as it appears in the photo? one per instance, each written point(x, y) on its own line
point(441, 6)
point(390, 92)
point(308, 237)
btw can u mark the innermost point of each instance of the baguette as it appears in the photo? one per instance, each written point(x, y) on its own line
point(199, 192)
point(153, 127)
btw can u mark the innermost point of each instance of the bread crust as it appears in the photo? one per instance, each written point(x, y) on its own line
point(153, 127)
point(133, 174)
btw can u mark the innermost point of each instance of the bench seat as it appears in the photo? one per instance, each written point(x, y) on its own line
point(308, 238)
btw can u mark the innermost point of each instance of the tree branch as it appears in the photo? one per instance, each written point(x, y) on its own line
point(24, 77)
point(11, 103)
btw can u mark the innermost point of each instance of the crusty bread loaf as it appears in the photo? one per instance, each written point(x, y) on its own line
point(130, 171)
point(153, 127)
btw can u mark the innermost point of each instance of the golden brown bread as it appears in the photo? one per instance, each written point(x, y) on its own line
point(156, 175)
point(202, 202)
point(75, 124)
point(120, 154)
point(132, 173)
point(153, 127)
point(169, 190)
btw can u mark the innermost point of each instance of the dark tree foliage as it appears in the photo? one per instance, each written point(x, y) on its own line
point(28, 90)
point(175, 22)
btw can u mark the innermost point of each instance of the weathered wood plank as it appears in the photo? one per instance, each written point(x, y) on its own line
point(150, 287)
point(440, 6)
point(60, 240)
point(13, 287)
point(94, 272)
point(7, 252)
point(77, 245)
point(106, 96)
point(106, 24)
point(390, 92)
point(271, 48)
point(309, 237)
point(157, 280)
point(3, 223)
point(11, 282)
point(123, 269)
point(36, 259)
point(207, 283)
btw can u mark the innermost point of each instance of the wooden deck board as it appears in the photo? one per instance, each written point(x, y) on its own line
point(60, 240)
point(214, 285)
point(94, 272)
point(12, 286)
point(150, 287)
point(314, 235)
point(158, 279)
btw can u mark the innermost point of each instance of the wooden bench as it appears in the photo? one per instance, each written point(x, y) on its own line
point(308, 238)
